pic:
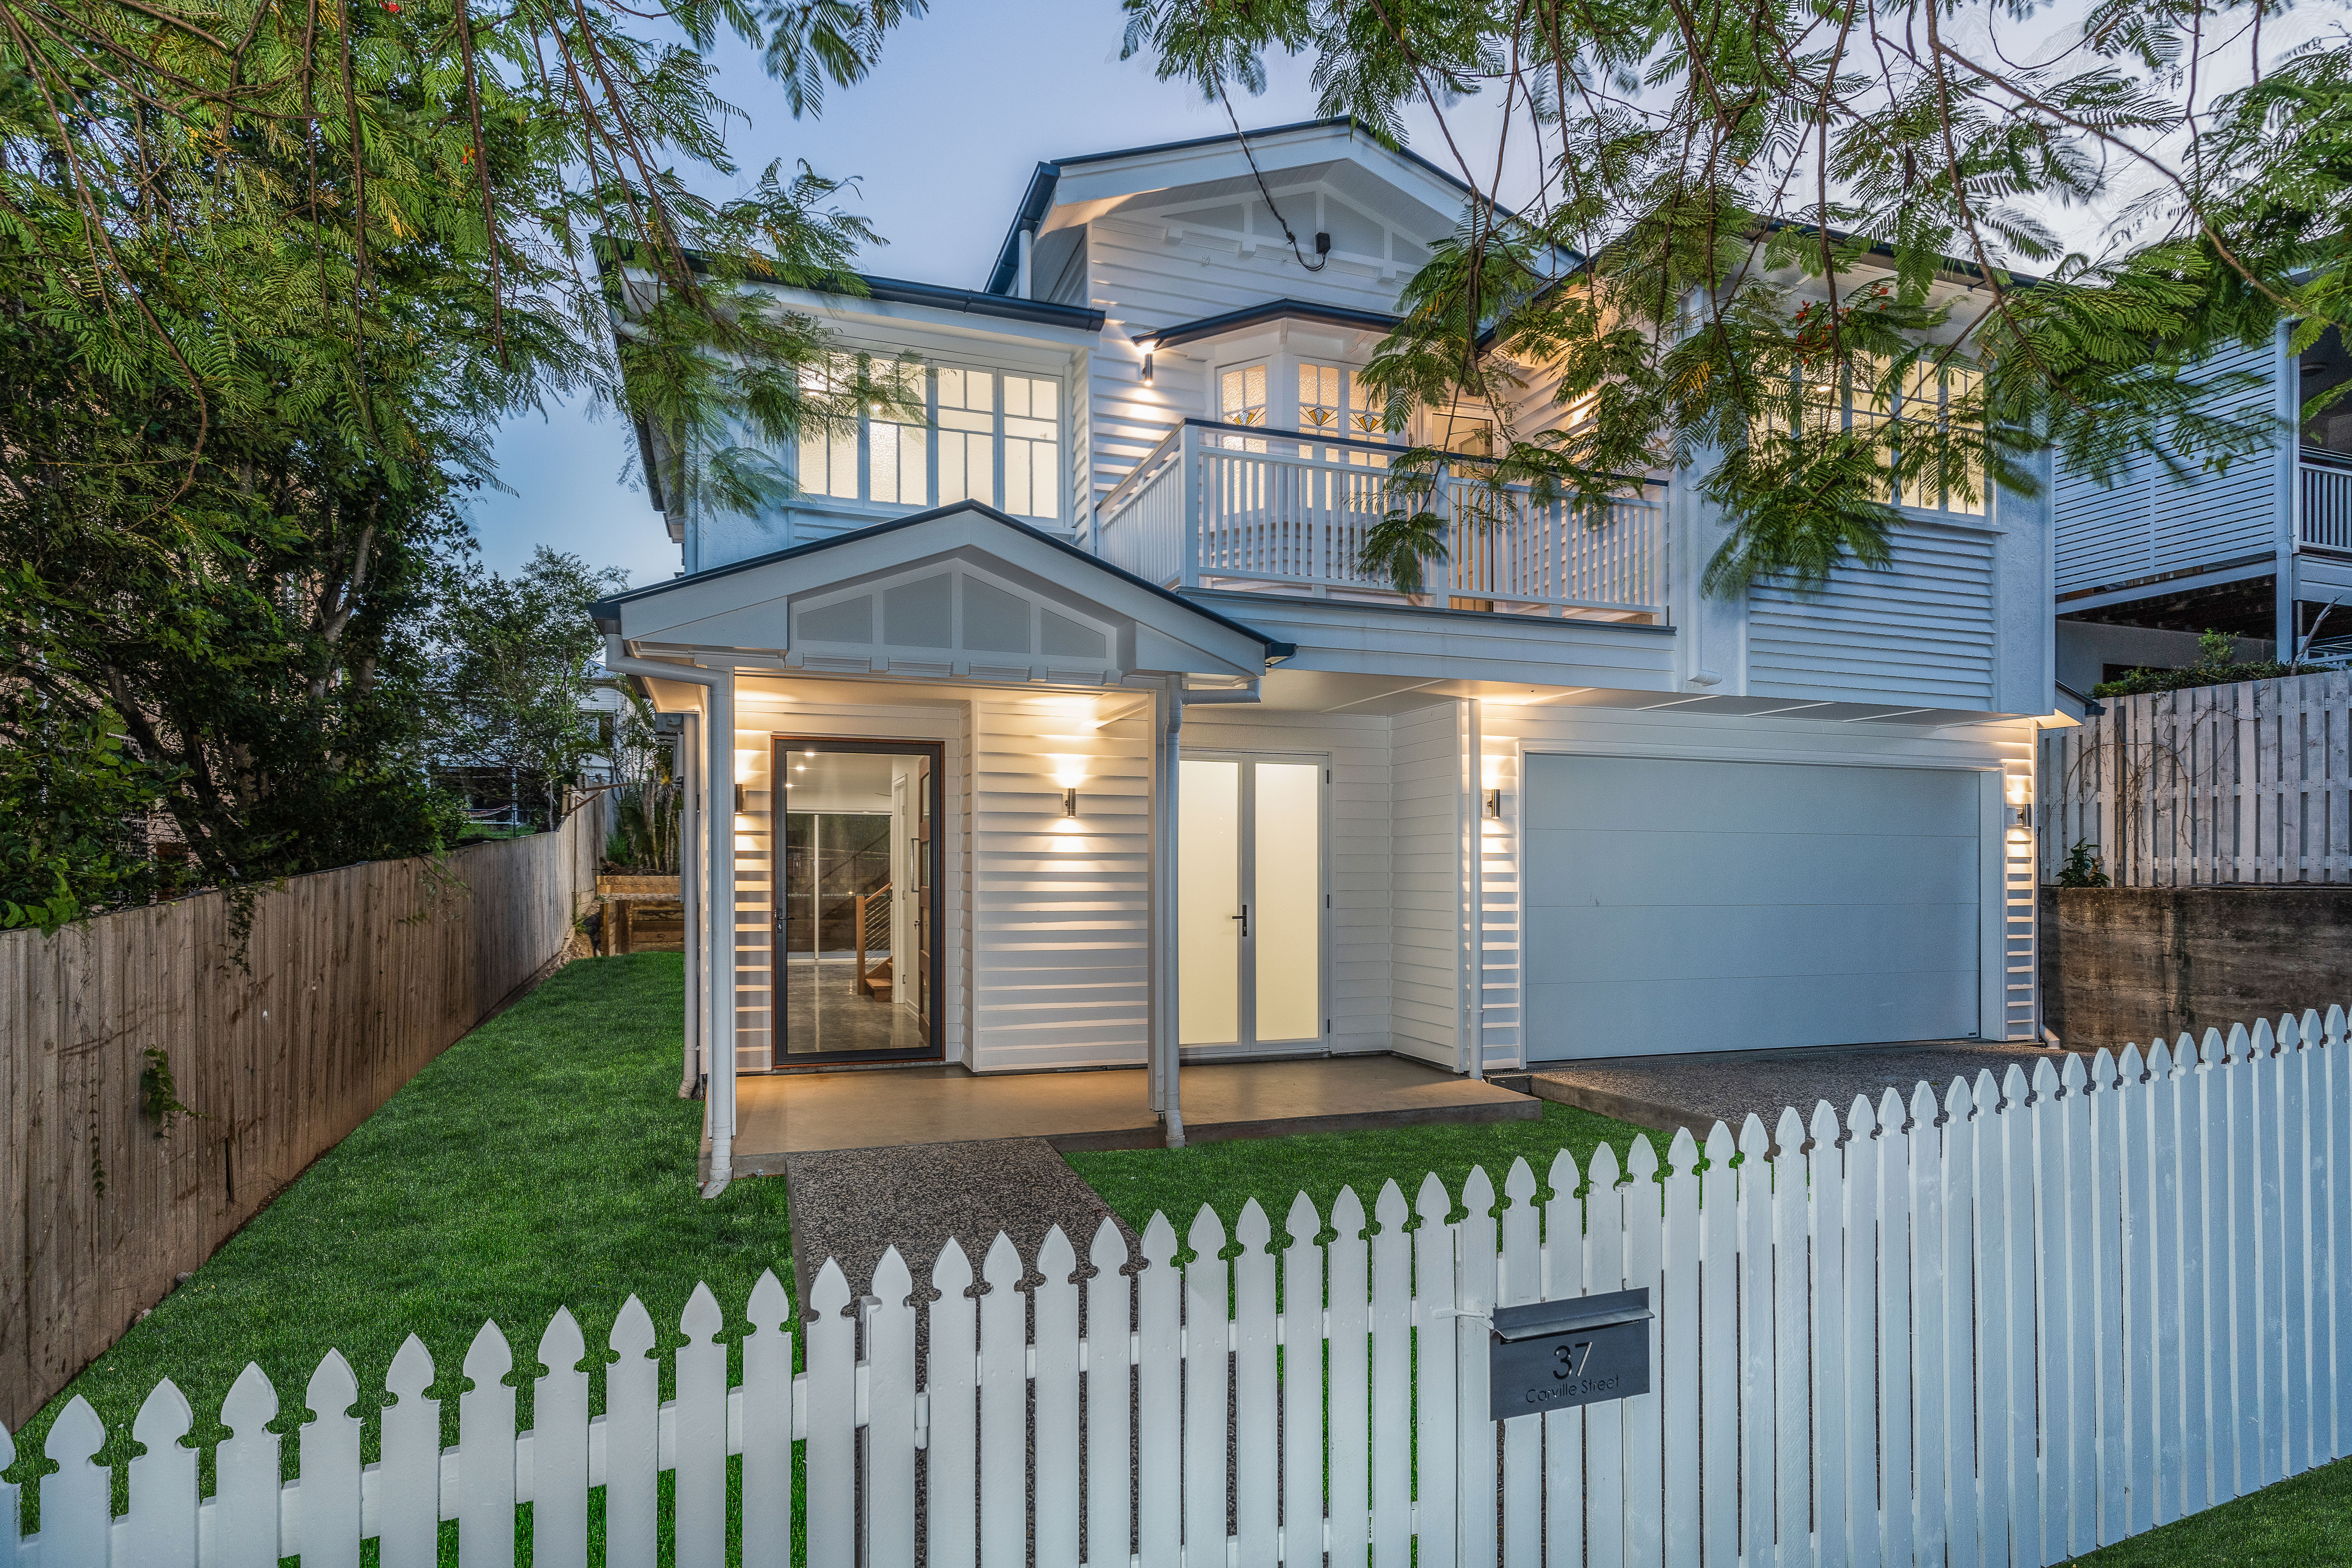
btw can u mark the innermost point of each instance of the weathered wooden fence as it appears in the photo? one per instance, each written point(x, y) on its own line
point(2251, 783)
point(353, 980)
point(2001, 1326)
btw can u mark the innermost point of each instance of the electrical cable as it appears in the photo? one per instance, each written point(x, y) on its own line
point(1322, 259)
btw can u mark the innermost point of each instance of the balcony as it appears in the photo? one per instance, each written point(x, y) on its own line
point(2324, 499)
point(1225, 506)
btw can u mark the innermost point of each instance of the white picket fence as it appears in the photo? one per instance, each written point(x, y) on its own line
point(2035, 1327)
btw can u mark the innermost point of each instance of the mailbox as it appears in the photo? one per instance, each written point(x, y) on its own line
point(1556, 1355)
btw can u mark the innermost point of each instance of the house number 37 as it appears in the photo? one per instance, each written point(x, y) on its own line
point(1571, 1358)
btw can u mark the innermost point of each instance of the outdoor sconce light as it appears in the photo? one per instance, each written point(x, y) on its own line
point(1494, 806)
point(1147, 343)
point(738, 800)
point(1070, 802)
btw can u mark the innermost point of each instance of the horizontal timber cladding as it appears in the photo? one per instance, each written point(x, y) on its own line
point(1359, 858)
point(1428, 882)
point(1511, 732)
point(351, 981)
point(1919, 629)
point(2246, 783)
point(1060, 923)
point(2145, 520)
point(1873, 1337)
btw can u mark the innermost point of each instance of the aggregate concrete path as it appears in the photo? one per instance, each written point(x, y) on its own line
point(851, 1205)
point(1699, 1089)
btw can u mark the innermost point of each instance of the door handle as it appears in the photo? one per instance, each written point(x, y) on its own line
point(1244, 917)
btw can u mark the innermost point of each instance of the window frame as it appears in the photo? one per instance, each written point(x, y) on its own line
point(865, 502)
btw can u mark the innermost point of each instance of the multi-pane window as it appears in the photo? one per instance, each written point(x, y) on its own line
point(1241, 398)
point(1322, 397)
point(1859, 401)
point(967, 435)
point(1031, 446)
point(828, 457)
point(898, 450)
point(983, 436)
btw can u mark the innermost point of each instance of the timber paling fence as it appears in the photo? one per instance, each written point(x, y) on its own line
point(2003, 1325)
point(2250, 782)
point(352, 980)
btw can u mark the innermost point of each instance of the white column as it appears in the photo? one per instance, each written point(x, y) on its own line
point(718, 747)
point(1473, 1028)
point(1021, 286)
point(689, 890)
point(1167, 745)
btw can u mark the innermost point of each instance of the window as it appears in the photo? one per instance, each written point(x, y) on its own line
point(1367, 411)
point(972, 414)
point(1322, 401)
point(1031, 447)
point(1857, 401)
point(1928, 403)
point(967, 435)
point(1242, 395)
point(828, 457)
point(897, 452)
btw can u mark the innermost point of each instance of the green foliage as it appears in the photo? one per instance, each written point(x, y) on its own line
point(2217, 665)
point(511, 669)
point(647, 796)
point(158, 1092)
point(270, 273)
point(2083, 868)
point(1400, 544)
point(1747, 220)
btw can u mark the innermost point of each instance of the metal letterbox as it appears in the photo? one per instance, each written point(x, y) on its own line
point(1555, 1356)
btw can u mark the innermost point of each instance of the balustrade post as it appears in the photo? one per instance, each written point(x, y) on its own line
point(1188, 569)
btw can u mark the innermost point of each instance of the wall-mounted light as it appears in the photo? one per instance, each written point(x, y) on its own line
point(738, 800)
point(1147, 343)
point(1494, 806)
point(1070, 801)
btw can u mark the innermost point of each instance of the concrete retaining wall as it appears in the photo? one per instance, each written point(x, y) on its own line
point(2127, 965)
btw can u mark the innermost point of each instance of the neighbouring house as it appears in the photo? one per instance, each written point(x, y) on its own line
point(2259, 548)
point(1063, 729)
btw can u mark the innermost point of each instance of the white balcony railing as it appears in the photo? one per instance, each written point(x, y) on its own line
point(1224, 506)
point(2324, 504)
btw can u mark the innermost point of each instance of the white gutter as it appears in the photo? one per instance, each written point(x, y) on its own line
point(717, 779)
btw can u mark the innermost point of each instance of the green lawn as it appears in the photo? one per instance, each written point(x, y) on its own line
point(1177, 1182)
point(543, 1161)
point(2305, 1523)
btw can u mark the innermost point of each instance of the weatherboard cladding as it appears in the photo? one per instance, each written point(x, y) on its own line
point(1920, 630)
point(2147, 521)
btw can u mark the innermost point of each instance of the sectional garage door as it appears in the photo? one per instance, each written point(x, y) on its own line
point(1702, 905)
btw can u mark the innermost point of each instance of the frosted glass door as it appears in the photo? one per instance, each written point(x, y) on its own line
point(1250, 905)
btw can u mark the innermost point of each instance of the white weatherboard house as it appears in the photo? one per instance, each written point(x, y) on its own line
point(1064, 730)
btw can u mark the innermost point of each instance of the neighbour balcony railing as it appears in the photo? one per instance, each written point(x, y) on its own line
point(2324, 504)
point(1228, 506)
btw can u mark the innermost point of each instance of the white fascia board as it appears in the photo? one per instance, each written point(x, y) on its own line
point(1370, 639)
point(903, 321)
point(745, 608)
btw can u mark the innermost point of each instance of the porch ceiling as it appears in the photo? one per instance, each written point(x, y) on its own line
point(1289, 691)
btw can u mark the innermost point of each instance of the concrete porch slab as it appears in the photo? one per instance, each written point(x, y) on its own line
point(1700, 1089)
point(795, 1113)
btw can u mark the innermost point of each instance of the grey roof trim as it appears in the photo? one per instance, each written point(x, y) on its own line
point(1039, 196)
point(1272, 310)
point(604, 611)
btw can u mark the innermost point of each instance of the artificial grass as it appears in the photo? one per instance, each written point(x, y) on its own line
point(545, 1160)
point(1138, 1183)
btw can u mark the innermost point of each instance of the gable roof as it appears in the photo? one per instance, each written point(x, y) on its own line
point(605, 613)
point(1038, 199)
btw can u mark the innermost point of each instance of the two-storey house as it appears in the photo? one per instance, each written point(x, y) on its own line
point(1064, 728)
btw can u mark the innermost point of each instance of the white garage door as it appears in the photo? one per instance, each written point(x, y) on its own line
point(1693, 906)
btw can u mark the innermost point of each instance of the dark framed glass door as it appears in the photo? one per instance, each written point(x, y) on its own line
point(858, 903)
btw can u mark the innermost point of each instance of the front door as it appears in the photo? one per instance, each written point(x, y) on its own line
point(1250, 905)
point(858, 909)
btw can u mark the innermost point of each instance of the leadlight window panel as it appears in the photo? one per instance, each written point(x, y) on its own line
point(898, 452)
point(1322, 390)
point(828, 451)
point(967, 427)
point(1033, 431)
point(1366, 410)
point(1242, 395)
